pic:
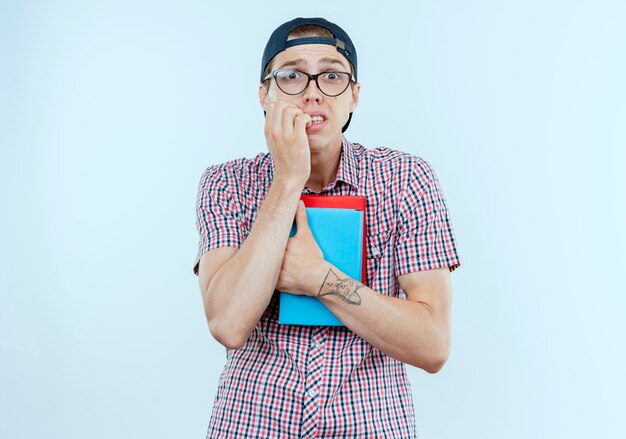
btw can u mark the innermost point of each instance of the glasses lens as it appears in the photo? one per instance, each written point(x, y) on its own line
point(291, 81)
point(333, 83)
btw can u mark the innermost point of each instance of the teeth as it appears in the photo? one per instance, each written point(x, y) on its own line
point(317, 119)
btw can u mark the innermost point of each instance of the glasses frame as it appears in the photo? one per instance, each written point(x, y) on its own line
point(273, 74)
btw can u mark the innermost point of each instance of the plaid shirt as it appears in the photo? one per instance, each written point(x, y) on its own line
point(291, 381)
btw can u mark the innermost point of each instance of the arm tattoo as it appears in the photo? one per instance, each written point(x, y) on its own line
point(346, 288)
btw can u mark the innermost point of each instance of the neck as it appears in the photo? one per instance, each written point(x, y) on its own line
point(324, 165)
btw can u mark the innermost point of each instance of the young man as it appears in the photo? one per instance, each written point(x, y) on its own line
point(321, 381)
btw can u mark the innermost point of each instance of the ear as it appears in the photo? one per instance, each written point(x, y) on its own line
point(263, 96)
point(356, 89)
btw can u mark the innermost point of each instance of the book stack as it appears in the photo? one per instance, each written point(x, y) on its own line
point(338, 225)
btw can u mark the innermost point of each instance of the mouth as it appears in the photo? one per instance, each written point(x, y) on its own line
point(318, 122)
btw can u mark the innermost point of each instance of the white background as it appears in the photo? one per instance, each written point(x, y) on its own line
point(111, 110)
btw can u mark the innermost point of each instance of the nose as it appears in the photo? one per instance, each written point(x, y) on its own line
point(312, 93)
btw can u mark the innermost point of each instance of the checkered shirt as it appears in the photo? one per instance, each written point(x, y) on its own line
point(291, 381)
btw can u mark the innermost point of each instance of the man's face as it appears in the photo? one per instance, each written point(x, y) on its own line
point(313, 59)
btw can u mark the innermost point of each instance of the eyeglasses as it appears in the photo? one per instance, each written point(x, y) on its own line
point(294, 82)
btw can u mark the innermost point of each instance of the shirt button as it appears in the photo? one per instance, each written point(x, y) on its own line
point(312, 393)
point(316, 345)
point(375, 251)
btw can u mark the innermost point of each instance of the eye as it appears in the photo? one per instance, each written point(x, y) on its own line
point(332, 76)
point(289, 75)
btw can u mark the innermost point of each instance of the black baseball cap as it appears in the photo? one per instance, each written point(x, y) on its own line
point(278, 42)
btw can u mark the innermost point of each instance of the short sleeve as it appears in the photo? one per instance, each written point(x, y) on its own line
point(217, 216)
point(425, 237)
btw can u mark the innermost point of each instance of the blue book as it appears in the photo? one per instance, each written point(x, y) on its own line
point(339, 231)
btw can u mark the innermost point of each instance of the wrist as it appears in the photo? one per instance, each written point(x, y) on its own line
point(319, 274)
point(288, 183)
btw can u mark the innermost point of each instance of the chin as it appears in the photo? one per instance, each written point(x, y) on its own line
point(319, 141)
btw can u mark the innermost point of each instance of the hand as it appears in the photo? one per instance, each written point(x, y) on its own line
point(304, 268)
point(287, 141)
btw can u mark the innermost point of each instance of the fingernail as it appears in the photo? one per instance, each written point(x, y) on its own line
point(301, 204)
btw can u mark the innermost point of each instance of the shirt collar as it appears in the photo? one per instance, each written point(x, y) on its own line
point(348, 166)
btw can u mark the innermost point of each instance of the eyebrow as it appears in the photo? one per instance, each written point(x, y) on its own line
point(324, 60)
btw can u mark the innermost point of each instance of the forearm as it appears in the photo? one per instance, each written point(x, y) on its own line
point(241, 289)
point(403, 329)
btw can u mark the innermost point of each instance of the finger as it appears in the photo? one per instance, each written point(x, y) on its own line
point(302, 221)
point(269, 117)
point(275, 128)
point(302, 122)
point(289, 115)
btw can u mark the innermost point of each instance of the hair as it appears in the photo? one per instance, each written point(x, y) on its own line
point(306, 30)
